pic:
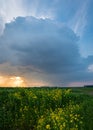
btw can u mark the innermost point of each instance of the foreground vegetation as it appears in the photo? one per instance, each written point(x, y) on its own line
point(45, 109)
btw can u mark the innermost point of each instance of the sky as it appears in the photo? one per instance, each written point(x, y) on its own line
point(46, 42)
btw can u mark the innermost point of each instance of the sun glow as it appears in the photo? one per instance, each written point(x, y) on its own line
point(15, 81)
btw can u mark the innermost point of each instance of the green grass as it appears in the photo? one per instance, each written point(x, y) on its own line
point(46, 109)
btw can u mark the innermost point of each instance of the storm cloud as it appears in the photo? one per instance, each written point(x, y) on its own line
point(44, 47)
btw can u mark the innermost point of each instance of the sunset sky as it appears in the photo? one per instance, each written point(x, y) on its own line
point(46, 42)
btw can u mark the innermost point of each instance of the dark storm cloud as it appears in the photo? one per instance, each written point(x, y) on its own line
point(46, 47)
point(42, 44)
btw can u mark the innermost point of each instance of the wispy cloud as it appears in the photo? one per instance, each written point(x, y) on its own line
point(10, 9)
point(79, 21)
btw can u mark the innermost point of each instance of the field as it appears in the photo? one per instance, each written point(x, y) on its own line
point(46, 108)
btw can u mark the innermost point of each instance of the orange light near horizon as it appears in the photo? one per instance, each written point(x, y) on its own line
point(15, 81)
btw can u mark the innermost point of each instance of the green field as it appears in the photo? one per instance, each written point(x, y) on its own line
point(46, 108)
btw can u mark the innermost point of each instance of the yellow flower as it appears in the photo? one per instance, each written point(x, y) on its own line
point(48, 126)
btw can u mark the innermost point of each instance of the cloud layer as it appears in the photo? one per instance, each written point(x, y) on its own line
point(42, 50)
